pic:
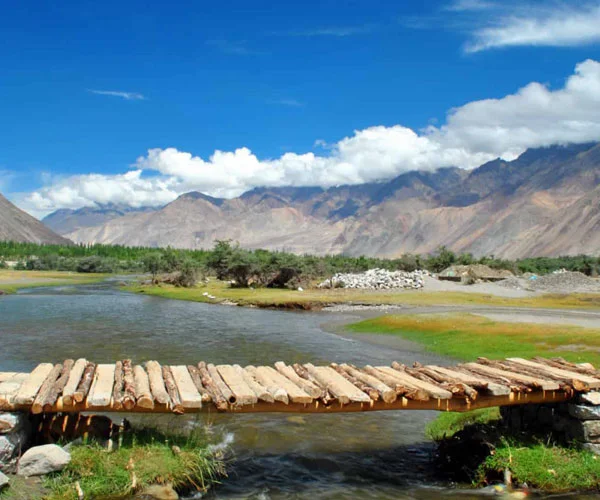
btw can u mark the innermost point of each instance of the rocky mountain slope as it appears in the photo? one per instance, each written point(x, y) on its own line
point(546, 202)
point(16, 225)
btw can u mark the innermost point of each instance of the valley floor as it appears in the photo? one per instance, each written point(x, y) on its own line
point(11, 281)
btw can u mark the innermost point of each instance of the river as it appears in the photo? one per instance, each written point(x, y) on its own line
point(382, 455)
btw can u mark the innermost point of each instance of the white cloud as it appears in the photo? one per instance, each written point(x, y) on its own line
point(128, 96)
point(543, 24)
point(477, 132)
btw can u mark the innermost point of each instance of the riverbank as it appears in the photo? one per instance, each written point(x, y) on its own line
point(12, 281)
point(220, 292)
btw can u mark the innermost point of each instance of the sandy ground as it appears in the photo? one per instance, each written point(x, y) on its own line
point(435, 285)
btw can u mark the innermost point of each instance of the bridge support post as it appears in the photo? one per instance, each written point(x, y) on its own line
point(576, 422)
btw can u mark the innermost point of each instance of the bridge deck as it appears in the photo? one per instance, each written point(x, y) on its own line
point(74, 386)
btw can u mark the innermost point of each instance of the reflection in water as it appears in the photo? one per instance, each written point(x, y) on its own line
point(377, 455)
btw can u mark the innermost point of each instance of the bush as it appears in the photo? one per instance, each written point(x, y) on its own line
point(96, 264)
point(188, 274)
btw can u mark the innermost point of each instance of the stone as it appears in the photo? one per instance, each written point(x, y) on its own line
point(590, 398)
point(10, 422)
point(158, 492)
point(583, 412)
point(588, 431)
point(12, 444)
point(3, 481)
point(41, 460)
point(591, 447)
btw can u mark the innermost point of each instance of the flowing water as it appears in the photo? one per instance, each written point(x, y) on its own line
point(382, 455)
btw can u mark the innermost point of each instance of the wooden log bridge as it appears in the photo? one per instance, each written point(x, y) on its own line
point(81, 385)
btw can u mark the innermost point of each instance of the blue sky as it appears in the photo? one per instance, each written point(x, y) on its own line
point(127, 102)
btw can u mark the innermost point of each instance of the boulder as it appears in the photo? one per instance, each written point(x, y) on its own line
point(158, 492)
point(10, 422)
point(582, 412)
point(3, 481)
point(590, 398)
point(41, 460)
point(11, 445)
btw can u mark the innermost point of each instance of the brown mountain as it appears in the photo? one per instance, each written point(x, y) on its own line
point(16, 225)
point(546, 202)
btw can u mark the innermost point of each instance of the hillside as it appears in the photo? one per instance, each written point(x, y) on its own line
point(16, 225)
point(546, 202)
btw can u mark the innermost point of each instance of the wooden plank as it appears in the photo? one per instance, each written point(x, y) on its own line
point(157, 383)
point(451, 384)
point(9, 389)
point(401, 387)
point(476, 382)
point(190, 397)
point(589, 382)
point(302, 372)
point(176, 405)
point(128, 398)
point(546, 385)
point(197, 378)
point(434, 391)
point(30, 387)
point(295, 394)
point(260, 391)
point(343, 390)
point(367, 389)
point(207, 381)
point(73, 382)
point(52, 396)
point(37, 406)
point(306, 385)
point(267, 382)
point(101, 392)
point(6, 376)
point(220, 383)
point(118, 386)
point(387, 393)
point(244, 394)
point(143, 394)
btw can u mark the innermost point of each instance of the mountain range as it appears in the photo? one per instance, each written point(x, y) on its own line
point(545, 202)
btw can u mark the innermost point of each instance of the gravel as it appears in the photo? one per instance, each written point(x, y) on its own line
point(377, 279)
point(558, 282)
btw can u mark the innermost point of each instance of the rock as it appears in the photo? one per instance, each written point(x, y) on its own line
point(583, 412)
point(584, 431)
point(10, 422)
point(590, 398)
point(41, 460)
point(12, 444)
point(594, 448)
point(377, 279)
point(3, 481)
point(158, 492)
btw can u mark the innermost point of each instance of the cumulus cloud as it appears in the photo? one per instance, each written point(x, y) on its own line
point(477, 132)
point(553, 24)
point(128, 96)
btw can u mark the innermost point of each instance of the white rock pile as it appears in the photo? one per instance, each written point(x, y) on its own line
point(377, 279)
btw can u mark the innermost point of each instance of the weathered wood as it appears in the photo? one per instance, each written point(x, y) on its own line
point(306, 385)
point(118, 386)
point(530, 372)
point(265, 380)
point(143, 394)
point(244, 395)
point(128, 397)
point(207, 381)
point(9, 389)
point(343, 390)
point(533, 382)
point(197, 378)
point(38, 403)
point(59, 385)
point(302, 372)
point(576, 378)
point(295, 393)
point(220, 383)
point(467, 390)
point(6, 376)
point(457, 389)
point(30, 387)
point(190, 397)
point(176, 406)
point(372, 393)
point(401, 388)
point(102, 388)
point(157, 383)
point(261, 392)
point(83, 388)
point(73, 382)
point(387, 393)
point(478, 383)
point(584, 368)
point(433, 390)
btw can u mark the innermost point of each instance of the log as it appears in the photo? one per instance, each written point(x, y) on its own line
point(128, 398)
point(83, 388)
point(197, 378)
point(52, 397)
point(6, 376)
point(295, 394)
point(469, 391)
point(531, 372)
point(306, 385)
point(9, 389)
point(372, 393)
point(218, 398)
point(30, 387)
point(176, 406)
point(220, 383)
point(190, 397)
point(533, 382)
point(102, 389)
point(584, 368)
point(143, 394)
point(325, 397)
point(433, 390)
point(401, 388)
point(477, 382)
point(387, 393)
point(261, 392)
point(118, 387)
point(457, 389)
point(343, 390)
point(157, 383)
point(243, 393)
point(38, 403)
point(73, 382)
point(264, 380)
point(502, 381)
point(577, 379)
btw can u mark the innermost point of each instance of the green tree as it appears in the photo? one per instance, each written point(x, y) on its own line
point(153, 264)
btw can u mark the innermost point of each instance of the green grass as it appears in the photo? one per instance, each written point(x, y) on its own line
point(468, 336)
point(448, 424)
point(149, 454)
point(543, 466)
point(313, 298)
point(12, 281)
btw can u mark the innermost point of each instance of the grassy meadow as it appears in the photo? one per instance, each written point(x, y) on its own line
point(12, 281)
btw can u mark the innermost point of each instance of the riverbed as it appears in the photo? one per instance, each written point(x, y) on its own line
point(381, 455)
